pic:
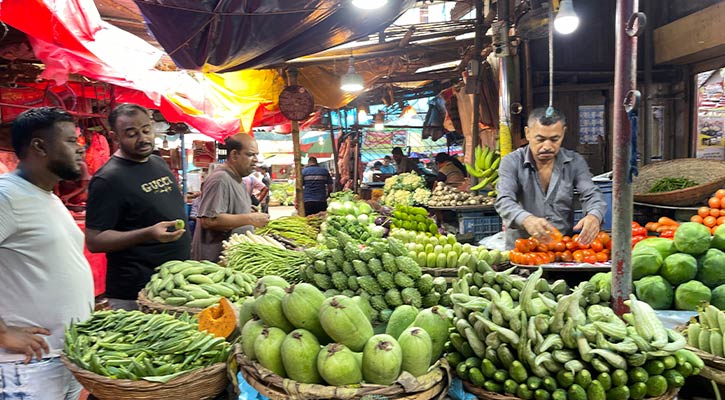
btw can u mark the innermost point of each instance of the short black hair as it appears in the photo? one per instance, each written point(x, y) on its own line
point(442, 157)
point(232, 143)
point(34, 123)
point(387, 157)
point(377, 164)
point(540, 115)
point(397, 150)
point(126, 109)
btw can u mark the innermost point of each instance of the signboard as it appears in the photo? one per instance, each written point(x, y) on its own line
point(710, 128)
point(591, 124)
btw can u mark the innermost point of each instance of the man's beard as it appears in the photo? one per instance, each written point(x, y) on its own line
point(64, 171)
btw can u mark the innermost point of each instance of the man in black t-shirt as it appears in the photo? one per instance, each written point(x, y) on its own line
point(133, 202)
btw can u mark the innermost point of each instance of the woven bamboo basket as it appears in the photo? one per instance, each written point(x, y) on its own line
point(714, 366)
point(486, 395)
point(152, 307)
point(433, 385)
point(203, 383)
point(709, 174)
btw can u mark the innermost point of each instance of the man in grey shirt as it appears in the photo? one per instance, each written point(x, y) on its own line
point(226, 206)
point(536, 185)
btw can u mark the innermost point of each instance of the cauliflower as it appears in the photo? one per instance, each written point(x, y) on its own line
point(402, 197)
point(412, 181)
point(390, 183)
point(421, 196)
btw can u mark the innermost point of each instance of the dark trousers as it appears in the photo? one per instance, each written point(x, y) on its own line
point(314, 207)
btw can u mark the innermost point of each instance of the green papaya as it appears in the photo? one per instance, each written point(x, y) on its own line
point(436, 322)
point(338, 365)
point(267, 349)
point(365, 307)
point(299, 356)
point(416, 347)
point(382, 360)
point(301, 306)
point(250, 332)
point(268, 306)
point(269, 280)
point(403, 317)
point(345, 323)
point(246, 311)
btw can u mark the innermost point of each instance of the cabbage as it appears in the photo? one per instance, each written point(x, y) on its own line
point(679, 268)
point(655, 291)
point(348, 207)
point(666, 247)
point(645, 261)
point(692, 238)
point(718, 239)
point(363, 219)
point(718, 297)
point(377, 231)
point(689, 295)
point(712, 268)
point(335, 208)
point(351, 218)
point(364, 208)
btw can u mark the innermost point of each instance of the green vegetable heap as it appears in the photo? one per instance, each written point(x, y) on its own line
point(133, 345)
point(197, 284)
point(706, 333)
point(671, 184)
point(532, 340)
point(380, 271)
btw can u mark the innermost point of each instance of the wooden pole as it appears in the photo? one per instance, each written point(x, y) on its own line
point(335, 182)
point(299, 191)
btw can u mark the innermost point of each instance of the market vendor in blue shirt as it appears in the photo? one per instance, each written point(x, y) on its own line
point(536, 185)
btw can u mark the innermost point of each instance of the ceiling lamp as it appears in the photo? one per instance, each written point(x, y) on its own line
point(369, 4)
point(363, 113)
point(566, 20)
point(351, 81)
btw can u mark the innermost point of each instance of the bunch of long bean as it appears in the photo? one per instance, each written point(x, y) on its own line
point(670, 184)
point(294, 228)
point(262, 259)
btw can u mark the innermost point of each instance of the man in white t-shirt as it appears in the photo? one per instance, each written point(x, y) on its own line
point(46, 280)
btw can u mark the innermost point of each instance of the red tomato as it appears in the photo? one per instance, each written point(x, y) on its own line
point(533, 243)
point(566, 256)
point(542, 248)
point(589, 259)
point(559, 246)
point(637, 239)
point(639, 231)
point(572, 245)
point(597, 246)
point(522, 245)
point(603, 237)
point(557, 256)
point(566, 239)
point(669, 234)
point(635, 224)
point(609, 245)
point(578, 255)
point(602, 257)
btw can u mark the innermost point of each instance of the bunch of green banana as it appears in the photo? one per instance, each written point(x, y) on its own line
point(485, 167)
point(197, 284)
point(133, 345)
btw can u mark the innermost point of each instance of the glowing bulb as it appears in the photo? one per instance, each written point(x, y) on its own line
point(566, 20)
point(369, 4)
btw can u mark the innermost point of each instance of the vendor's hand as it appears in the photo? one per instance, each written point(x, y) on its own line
point(259, 219)
point(161, 233)
point(537, 227)
point(589, 227)
point(25, 341)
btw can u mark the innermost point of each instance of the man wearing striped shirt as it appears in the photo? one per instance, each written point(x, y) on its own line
point(317, 184)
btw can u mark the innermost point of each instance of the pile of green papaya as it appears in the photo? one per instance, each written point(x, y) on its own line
point(533, 339)
point(197, 284)
point(298, 333)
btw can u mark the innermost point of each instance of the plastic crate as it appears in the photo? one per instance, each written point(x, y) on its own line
point(480, 224)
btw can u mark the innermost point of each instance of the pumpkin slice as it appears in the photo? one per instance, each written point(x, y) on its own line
point(219, 320)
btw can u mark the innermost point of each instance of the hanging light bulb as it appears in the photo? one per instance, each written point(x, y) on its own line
point(566, 20)
point(363, 113)
point(351, 81)
point(380, 121)
point(369, 4)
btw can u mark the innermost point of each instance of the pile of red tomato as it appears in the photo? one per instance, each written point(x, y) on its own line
point(532, 252)
point(639, 233)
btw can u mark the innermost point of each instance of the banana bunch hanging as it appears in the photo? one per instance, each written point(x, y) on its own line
point(485, 168)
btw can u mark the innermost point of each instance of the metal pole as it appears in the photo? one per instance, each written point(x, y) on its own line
point(648, 117)
point(504, 73)
point(184, 166)
point(299, 194)
point(476, 59)
point(528, 78)
point(625, 80)
point(335, 158)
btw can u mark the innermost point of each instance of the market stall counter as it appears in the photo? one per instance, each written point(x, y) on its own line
point(480, 220)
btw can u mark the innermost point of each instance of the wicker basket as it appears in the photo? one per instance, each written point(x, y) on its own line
point(433, 385)
point(710, 174)
point(204, 383)
point(486, 395)
point(152, 307)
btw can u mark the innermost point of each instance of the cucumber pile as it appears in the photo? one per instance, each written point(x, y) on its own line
point(531, 339)
point(197, 284)
point(297, 332)
point(706, 333)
